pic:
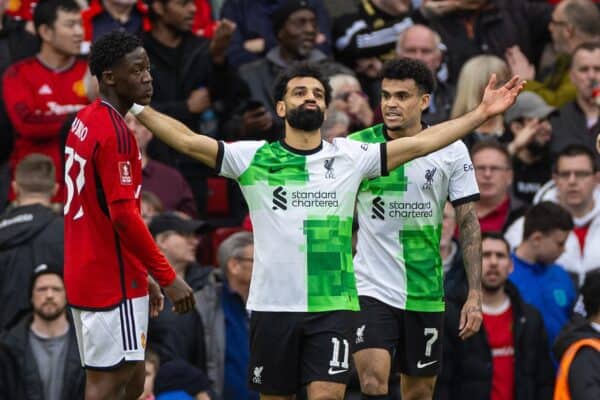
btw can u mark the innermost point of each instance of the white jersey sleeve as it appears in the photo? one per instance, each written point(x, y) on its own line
point(462, 186)
point(369, 158)
point(234, 158)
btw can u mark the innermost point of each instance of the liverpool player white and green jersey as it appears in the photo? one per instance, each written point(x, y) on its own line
point(400, 221)
point(301, 205)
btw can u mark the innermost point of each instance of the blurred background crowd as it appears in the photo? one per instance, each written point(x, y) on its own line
point(213, 63)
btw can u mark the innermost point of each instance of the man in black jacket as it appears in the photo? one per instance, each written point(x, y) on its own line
point(31, 233)
point(582, 375)
point(191, 82)
point(41, 350)
point(508, 358)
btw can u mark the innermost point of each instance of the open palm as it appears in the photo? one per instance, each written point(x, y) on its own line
point(496, 101)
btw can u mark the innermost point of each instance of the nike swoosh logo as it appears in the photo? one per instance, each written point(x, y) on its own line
point(427, 364)
point(331, 371)
point(275, 169)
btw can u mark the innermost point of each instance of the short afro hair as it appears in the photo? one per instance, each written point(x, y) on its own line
point(110, 49)
point(591, 293)
point(406, 68)
point(304, 70)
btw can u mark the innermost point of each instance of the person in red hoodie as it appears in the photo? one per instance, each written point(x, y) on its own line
point(42, 92)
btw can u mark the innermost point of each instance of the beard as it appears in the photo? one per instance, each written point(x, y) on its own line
point(539, 150)
point(305, 120)
point(49, 313)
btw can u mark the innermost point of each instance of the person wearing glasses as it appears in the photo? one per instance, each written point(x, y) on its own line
point(222, 309)
point(574, 186)
point(497, 208)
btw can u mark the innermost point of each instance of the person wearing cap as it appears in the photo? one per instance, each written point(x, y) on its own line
point(295, 24)
point(43, 344)
point(528, 123)
point(255, 35)
point(173, 335)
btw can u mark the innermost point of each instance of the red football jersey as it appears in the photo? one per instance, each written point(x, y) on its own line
point(102, 165)
point(38, 101)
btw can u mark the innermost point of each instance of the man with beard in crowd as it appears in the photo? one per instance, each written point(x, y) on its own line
point(43, 346)
point(301, 192)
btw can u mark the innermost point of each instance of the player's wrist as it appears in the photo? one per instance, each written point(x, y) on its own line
point(136, 109)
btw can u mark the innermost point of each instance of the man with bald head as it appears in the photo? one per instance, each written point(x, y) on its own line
point(424, 44)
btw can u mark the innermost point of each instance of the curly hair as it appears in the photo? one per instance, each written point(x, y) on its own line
point(591, 293)
point(110, 49)
point(301, 69)
point(407, 68)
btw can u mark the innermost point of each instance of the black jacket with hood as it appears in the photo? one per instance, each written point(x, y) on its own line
point(584, 373)
point(29, 236)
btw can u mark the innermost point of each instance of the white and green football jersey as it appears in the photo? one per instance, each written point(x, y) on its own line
point(302, 206)
point(400, 221)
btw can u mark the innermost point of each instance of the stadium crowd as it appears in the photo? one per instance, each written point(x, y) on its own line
point(213, 64)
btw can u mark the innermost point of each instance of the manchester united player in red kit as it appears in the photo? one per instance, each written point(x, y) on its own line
point(108, 249)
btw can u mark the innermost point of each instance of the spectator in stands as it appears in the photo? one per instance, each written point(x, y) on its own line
point(472, 27)
point(164, 181)
point(575, 187)
point(222, 306)
point(528, 125)
point(295, 24)
point(496, 207)
point(258, 23)
point(150, 206)
point(151, 365)
point(542, 283)
point(348, 97)
point(336, 125)
point(179, 380)
point(173, 335)
point(31, 233)
point(474, 76)
point(15, 44)
point(423, 44)
point(44, 344)
point(579, 121)
point(573, 22)
point(365, 39)
point(104, 16)
point(508, 358)
point(186, 83)
point(578, 348)
point(42, 92)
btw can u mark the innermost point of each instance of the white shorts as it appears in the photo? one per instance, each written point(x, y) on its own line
point(108, 338)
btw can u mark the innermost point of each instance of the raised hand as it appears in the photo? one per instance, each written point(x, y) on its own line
point(496, 101)
point(181, 295)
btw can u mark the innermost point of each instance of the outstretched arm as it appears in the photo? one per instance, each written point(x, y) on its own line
point(178, 136)
point(470, 242)
point(495, 101)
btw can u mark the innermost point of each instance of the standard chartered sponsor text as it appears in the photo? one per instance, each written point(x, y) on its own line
point(414, 209)
point(314, 199)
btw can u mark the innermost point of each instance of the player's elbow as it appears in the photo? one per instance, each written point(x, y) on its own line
point(121, 216)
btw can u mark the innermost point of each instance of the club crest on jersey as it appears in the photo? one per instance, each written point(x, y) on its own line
point(429, 174)
point(257, 375)
point(328, 164)
point(125, 173)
